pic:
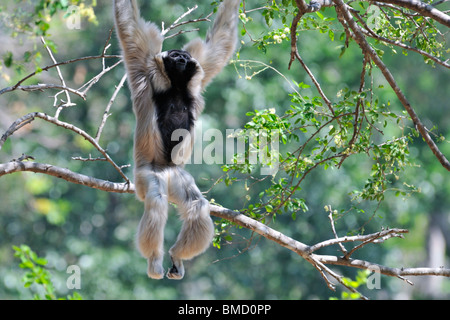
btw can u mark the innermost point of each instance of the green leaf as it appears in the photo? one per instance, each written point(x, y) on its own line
point(41, 261)
point(8, 59)
point(320, 15)
point(26, 265)
point(331, 35)
point(343, 48)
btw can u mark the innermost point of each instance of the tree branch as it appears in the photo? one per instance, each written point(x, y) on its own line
point(303, 8)
point(377, 237)
point(66, 174)
point(302, 249)
point(370, 33)
point(316, 5)
point(388, 271)
point(422, 8)
point(106, 114)
point(44, 86)
point(68, 101)
point(19, 123)
point(367, 49)
point(305, 251)
point(177, 22)
point(12, 88)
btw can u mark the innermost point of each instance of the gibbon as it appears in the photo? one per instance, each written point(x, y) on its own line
point(166, 89)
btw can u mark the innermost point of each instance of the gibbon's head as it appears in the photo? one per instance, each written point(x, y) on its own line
point(179, 66)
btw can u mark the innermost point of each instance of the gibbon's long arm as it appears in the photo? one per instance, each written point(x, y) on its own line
point(140, 41)
point(213, 53)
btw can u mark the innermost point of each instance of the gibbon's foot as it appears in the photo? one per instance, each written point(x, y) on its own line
point(155, 269)
point(176, 272)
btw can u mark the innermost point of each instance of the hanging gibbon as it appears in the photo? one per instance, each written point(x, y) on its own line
point(166, 89)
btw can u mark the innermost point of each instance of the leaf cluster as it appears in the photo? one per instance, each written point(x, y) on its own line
point(33, 19)
point(319, 132)
point(37, 273)
point(314, 134)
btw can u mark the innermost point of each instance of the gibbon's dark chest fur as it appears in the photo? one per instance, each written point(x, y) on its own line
point(174, 111)
point(174, 106)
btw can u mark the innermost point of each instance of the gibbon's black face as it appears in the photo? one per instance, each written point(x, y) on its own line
point(179, 67)
point(179, 58)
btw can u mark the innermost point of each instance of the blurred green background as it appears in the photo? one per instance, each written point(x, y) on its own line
point(71, 224)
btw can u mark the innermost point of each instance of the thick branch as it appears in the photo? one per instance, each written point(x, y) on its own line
point(368, 50)
point(66, 174)
point(303, 250)
point(370, 33)
point(19, 123)
point(260, 228)
point(393, 272)
point(422, 8)
point(316, 5)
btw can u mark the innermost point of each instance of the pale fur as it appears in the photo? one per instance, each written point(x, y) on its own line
point(158, 183)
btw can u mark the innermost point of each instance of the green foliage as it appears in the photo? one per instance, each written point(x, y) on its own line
point(36, 273)
point(317, 132)
point(360, 279)
point(33, 19)
point(402, 26)
point(323, 139)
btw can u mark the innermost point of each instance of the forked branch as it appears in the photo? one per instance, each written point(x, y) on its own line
point(307, 252)
point(370, 52)
point(358, 34)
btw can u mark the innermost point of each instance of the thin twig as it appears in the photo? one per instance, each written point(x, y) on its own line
point(106, 114)
point(31, 116)
point(12, 88)
point(44, 86)
point(177, 24)
point(68, 101)
point(89, 159)
point(384, 234)
point(181, 32)
point(88, 85)
point(330, 217)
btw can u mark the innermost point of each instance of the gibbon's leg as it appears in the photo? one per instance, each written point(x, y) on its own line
point(151, 187)
point(198, 230)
